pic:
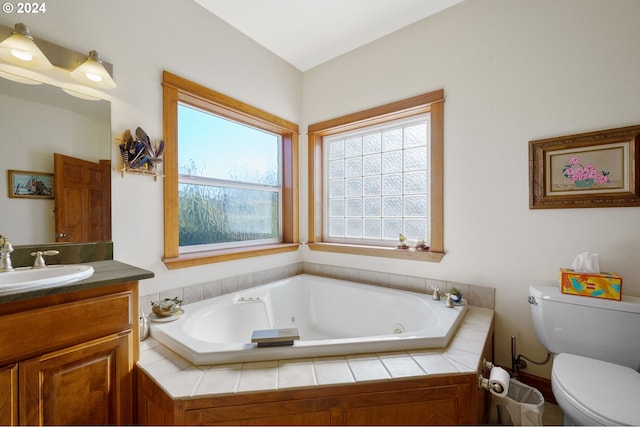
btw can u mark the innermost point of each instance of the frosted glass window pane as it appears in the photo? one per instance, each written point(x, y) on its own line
point(354, 166)
point(354, 147)
point(392, 140)
point(336, 207)
point(415, 136)
point(215, 147)
point(372, 228)
point(392, 162)
point(391, 206)
point(354, 227)
point(377, 187)
point(373, 206)
point(209, 215)
point(372, 186)
point(415, 229)
point(354, 207)
point(336, 150)
point(354, 187)
point(391, 184)
point(372, 143)
point(415, 159)
point(336, 188)
point(336, 227)
point(372, 165)
point(336, 169)
point(415, 206)
point(415, 182)
point(391, 228)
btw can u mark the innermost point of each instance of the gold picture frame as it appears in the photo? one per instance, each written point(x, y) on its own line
point(30, 185)
point(586, 170)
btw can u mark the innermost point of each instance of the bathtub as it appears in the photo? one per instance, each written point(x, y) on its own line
point(333, 317)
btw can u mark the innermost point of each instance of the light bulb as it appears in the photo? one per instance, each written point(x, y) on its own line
point(94, 77)
point(21, 55)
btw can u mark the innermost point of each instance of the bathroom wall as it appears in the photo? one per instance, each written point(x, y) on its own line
point(512, 71)
point(141, 38)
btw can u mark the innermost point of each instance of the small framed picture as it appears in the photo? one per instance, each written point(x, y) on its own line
point(595, 169)
point(33, 185)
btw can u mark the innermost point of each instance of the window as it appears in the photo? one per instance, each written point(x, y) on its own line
point(230, 178)
point(376, 174)
point(228, 182)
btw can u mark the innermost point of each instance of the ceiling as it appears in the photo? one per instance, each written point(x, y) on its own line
point(307, 33)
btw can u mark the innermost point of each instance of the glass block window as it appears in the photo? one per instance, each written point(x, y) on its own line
point(229, 177)
point(376, 183)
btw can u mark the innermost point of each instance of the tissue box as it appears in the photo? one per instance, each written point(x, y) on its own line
point(598, 285)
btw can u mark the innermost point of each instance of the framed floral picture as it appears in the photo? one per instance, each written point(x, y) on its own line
point(595, 169)
point(33, 185)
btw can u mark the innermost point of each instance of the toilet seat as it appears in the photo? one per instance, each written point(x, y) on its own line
point(598, 392)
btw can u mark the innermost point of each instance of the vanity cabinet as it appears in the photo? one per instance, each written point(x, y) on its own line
point(68, 358)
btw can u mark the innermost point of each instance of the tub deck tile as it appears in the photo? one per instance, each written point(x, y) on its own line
point(258, 376)
point(184, 385)
point(434, 362)
point(219, 379)
point(467, 340)
point(332, 370)
point(401, 365)
point(181, 379)
point(466, 362)
point(296, 373)
point(367, 368)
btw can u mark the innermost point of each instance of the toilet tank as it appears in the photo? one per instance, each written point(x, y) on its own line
point(591, 327)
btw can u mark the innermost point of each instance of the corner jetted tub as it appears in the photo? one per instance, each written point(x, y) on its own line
point(333, 317)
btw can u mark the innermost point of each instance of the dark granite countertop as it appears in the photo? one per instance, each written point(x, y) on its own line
point(107, 272)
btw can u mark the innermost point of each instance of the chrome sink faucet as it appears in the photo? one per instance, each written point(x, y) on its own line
point(5, 254)
point(39, 259)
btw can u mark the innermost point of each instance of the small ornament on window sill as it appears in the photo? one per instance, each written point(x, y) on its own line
point(403, 242)
point(139, 155)
point(421, 246)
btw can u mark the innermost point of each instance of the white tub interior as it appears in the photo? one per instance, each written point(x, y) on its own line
point(334, 317)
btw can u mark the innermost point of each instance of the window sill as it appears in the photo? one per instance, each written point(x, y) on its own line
point(378, 251)
point(194, 259)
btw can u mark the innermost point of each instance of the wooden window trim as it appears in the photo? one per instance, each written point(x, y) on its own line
point(176, 89)
point(432, 102)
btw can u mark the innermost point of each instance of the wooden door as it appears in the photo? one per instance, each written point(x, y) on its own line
point(82, 192)
point(9, 395)
point(87, 384)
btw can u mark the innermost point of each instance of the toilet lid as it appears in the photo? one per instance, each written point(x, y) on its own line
point(608, 392)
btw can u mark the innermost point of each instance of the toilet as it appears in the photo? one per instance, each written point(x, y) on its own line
point(596, 343)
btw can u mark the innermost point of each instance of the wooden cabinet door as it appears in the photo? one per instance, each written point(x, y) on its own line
point(89, 384)
point(9, 395)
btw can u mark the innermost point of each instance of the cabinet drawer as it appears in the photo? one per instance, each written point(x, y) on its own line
point(33, 332)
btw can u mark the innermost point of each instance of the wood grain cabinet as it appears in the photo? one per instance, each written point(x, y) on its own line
point(68, 359)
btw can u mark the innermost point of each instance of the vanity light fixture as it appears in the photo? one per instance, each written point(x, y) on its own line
point(20, 49)
point(92, 73)
point(52, 64)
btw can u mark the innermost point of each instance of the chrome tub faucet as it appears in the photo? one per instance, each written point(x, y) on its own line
point(5, 254)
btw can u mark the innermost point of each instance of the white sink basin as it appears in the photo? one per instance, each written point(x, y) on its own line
point(24, 278)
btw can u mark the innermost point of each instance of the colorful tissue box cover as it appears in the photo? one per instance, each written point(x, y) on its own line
point(602, 285)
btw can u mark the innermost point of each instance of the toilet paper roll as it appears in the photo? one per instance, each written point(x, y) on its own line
point(499, 381)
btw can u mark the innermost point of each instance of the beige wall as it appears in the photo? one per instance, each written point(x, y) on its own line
point(512, 71)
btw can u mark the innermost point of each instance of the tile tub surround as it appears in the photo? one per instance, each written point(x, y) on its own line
point(182, 380)
point(480, 296)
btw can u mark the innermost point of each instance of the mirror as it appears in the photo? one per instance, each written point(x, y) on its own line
point(35, 122)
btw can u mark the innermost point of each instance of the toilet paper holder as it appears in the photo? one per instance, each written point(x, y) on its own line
point(483, 383)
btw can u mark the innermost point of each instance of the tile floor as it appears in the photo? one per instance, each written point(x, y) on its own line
point(552, 415)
